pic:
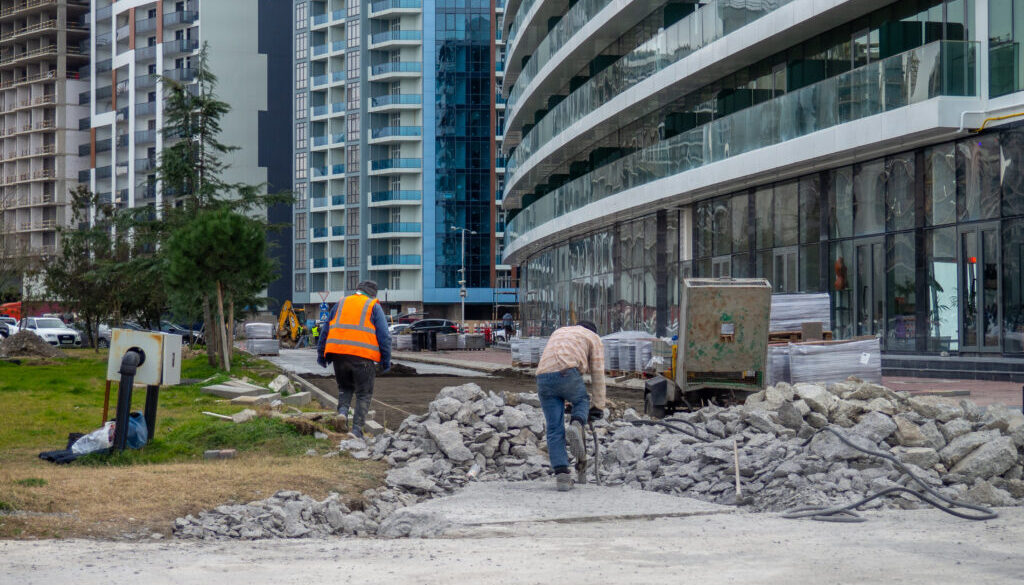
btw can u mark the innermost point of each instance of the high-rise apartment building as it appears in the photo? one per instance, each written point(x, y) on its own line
point(872, 150)
point(134, 42)
point(397, 141)
point(41, 51)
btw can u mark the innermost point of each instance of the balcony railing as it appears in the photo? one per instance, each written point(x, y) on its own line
point(399, 227)
point(338, 200)
point(338, 262)
point(337, 230)
point(338, 15)
point(337, 76)
point(319, 19)
point(396, 163)
point(397, 67)
point(403, 195)
point(395, 5)
point(338, 138)
point(405, 99)
point(181, 46)
point(320, 49)
point(337, 169)
point(319, 262)
point(397, 260)
point(180, 17)
point(319, 202)
point(183, 75)
point(320, 80)
point(670, 45)
point(337, 46)
point(320, 140)
point(393, 131)
point(320, 232)
point(397, 35)
point(941, 68)
point(337, 107)
point(321, 110)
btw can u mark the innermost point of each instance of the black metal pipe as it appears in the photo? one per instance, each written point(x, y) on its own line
point(129, 366)
point(152, 396)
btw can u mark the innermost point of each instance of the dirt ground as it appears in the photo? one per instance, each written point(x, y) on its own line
point(395, 397)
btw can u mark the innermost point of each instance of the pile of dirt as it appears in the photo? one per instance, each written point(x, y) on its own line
point(28, 344)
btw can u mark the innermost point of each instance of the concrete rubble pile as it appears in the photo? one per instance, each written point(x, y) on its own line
point(28, 344)
point(964, 451)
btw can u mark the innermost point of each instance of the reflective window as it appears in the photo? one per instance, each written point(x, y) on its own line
point(899, 192)
point(901, 282)
point(940, 185)
point(840, 195)
point(1011, 145)
point(977, 177)
point(869, 198)
point(1013, 286)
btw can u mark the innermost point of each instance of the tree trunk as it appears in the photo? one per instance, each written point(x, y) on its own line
point(212, 341)
point(226, 355)
point(231, 322)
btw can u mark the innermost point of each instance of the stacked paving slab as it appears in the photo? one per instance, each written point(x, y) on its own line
point(965, 452)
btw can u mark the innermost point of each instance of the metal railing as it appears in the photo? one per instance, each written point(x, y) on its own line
point(396, 163)
point(398, 227)
point(401, 195)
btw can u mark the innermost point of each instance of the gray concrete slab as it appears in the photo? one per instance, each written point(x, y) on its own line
point(922, 547)
point(502, 502)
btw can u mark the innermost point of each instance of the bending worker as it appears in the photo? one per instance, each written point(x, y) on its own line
point(356, 340)
point(571, 352)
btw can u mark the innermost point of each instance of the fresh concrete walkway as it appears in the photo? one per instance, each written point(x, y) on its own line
point(302, 362)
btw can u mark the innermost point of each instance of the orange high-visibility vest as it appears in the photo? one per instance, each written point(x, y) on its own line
point(352, 331)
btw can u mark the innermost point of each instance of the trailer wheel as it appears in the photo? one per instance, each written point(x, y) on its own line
point(650, 409)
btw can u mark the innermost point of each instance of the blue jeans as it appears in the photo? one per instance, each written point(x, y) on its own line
point(554, 390)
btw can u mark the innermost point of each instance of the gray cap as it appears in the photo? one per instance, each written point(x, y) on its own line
point(369, 287)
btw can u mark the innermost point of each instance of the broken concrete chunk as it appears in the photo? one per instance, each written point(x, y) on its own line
point(990, 459)
point(255, 400)
point(936, 407)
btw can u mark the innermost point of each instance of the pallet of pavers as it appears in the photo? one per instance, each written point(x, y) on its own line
point(835, 361)
point(263, 346)
point(259, 330)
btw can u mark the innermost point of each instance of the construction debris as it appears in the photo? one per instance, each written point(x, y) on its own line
point(964, 451)
point(27, 344)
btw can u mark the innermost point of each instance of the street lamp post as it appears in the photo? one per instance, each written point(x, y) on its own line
point(462, 271)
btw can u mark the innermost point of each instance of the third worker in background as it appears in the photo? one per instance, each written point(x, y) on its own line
point(356, 339)
point(571, 352)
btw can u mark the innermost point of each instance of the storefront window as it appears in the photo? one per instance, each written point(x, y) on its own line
point(977, 177)
point(899, 192)
point(841, 287)
point(840, 197)
point(869, 198)
point(940, 259)
point(739, 213)
point(1013, 286)
point(810, 204)
point(763, 217)
point(940, 185)
point(1011, 145)
point(902, 286)
point(810, 268)
point(786, 206)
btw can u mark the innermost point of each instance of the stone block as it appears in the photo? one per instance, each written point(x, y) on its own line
point(297, 399)
point(256, 400)
point(990, 459)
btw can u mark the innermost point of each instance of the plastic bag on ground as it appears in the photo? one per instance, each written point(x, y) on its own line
point(99, 440)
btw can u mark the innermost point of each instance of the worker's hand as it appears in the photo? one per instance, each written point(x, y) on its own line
point(385, 366)
point(595, 414)
point(322, 361)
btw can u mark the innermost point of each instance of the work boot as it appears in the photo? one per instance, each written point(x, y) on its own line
point(563, 481)
point(355, 433)
point(574, 437)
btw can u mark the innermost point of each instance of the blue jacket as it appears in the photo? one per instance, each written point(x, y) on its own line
point(380, 324)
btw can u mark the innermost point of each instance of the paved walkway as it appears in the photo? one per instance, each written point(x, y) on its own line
point(590, 544)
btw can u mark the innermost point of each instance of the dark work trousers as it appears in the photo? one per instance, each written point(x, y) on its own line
point(355, 376)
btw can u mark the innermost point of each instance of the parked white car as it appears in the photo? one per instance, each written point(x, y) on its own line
point(8, 326)
point(53, 331)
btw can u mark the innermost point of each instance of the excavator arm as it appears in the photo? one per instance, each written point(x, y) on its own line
point(288, 323)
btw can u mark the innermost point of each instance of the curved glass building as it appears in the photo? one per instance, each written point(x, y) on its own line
point(868, 149)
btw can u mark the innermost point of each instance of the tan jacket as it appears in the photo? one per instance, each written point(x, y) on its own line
point(580, 348)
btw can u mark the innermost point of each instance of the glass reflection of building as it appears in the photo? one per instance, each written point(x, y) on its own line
point(914, 226)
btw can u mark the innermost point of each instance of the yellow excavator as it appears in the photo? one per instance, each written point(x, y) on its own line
point(288, 324)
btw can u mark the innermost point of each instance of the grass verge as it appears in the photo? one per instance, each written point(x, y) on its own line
point(139, 492)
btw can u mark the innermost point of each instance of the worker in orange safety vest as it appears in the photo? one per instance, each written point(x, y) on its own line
point(355, 340)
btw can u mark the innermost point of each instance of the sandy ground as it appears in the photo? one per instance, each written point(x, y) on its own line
point(925, 547)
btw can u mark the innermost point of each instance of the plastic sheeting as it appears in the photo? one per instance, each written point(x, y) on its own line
point(259, 330)
point(789, 311)
point(263, 346)
point(527, 350)
point(836, 361)
point(778, 364)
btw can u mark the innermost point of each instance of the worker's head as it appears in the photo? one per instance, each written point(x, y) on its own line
point(587, 325)
point(368, 288)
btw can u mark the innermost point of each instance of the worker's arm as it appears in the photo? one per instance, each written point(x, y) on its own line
point(596, 371)
point(380, 324)
point(321, 344)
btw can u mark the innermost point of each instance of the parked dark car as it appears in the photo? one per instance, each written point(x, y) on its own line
point(4, 331)
point(438, 325)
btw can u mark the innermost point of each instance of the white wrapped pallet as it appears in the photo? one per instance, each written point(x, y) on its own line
point(627, 355)
point(778, 364)
point(643, 351)
point(789, 311)
point(263, 346)
point(259, 330)
point(447, 341)
point(836, 361)
point(611, 354)
point(402, 342)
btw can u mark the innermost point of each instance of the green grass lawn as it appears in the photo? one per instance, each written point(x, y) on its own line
point(41, 402)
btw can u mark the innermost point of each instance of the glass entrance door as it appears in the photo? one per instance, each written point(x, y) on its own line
point(980, 288)
point(784, 270)
point(869, 302)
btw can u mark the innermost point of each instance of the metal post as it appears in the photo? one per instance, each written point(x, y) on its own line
point(152, 396)
point(129, 365)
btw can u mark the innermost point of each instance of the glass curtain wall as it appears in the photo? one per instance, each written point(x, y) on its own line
point(923, 248)
point(463, 135)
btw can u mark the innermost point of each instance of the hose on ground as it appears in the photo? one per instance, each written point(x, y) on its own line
point(673, 427)
point(846, 513)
